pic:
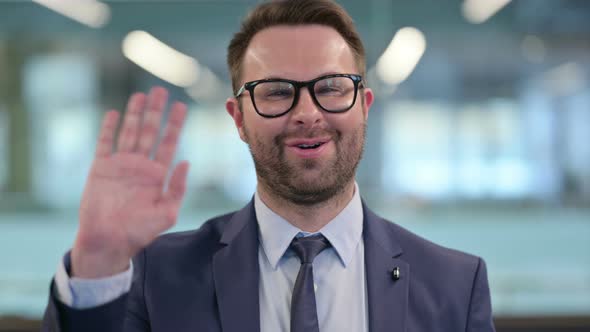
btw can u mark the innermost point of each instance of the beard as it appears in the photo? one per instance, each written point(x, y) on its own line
point(307, 182)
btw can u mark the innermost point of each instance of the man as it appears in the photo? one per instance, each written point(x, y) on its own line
point(305, 254)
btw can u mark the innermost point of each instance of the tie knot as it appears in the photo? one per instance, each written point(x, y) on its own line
point(308, 247)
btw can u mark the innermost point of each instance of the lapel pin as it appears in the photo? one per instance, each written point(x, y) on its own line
point(395, 274)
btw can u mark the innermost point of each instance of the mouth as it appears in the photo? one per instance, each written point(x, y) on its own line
point(307, 144)
point(308, 148)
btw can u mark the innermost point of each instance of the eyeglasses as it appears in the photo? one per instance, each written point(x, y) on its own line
point(272, 98)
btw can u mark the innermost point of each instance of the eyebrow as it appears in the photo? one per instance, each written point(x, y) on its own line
point(277, 77)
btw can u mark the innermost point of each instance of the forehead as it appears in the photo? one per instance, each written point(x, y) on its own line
point(297, 52)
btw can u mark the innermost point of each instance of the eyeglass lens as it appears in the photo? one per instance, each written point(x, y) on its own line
point(333, 94)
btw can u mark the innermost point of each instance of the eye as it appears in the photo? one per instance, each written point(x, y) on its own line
point(279, 93)
point(329, 90)
point(274, 91)
point(335, 86)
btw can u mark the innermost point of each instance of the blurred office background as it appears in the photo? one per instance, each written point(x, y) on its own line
point(479, 139)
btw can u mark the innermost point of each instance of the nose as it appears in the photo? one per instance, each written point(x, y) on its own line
point(306, 112)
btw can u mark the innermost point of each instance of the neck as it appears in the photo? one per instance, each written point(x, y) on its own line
point(307, 218)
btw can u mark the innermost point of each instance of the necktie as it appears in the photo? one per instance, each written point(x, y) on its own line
point(304, 316)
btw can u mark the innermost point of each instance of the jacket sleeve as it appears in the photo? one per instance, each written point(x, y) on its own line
point(126, 313)
point(480, 308)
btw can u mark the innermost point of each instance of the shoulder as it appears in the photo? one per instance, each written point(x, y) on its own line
point(189, 245)
point(411, 240)
point(162, 268)
point(427, 256)
point(436, 271)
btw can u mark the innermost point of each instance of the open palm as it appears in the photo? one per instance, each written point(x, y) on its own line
point(125, 204)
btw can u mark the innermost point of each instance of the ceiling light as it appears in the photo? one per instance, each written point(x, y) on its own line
point(160, 59)
point(401, 56)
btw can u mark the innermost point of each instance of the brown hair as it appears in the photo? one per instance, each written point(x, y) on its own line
point(293, 12)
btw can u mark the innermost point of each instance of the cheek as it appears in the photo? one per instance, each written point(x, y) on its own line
point(264, 130)
point(348, 122)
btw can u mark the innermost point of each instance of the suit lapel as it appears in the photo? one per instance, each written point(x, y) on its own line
point(387, 298)
point(236, 273)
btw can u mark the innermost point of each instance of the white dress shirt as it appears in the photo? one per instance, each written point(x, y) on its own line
point(339, 271)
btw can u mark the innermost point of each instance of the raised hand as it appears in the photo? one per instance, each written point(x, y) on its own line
point(125, 205)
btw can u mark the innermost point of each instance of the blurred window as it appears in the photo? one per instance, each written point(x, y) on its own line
point(4, 153)
point(60, 93)
point(220, 162)
point(475, 151)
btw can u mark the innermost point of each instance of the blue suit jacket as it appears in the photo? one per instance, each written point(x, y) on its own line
point(207, 280)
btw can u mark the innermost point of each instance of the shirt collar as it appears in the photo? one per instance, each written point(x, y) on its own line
point(344, 231)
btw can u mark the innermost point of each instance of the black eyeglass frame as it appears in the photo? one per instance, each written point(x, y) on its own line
point(249, 86)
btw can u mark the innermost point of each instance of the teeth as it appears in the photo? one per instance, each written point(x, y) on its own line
point(310, 146)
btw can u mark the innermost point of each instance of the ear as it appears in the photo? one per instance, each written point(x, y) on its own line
point(368, 99)
point(233, 109)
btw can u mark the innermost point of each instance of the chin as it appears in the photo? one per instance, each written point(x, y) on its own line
point(311, 189)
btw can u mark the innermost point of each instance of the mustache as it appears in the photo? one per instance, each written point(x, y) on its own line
point(307, 133)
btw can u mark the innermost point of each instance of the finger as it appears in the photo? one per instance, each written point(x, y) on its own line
point(168, 207)
point(151, 122)
point(155, 220)
point(177, 183)
point(129, 132)
point(169, 142)
point(107, 134)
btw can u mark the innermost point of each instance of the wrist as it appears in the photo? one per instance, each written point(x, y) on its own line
point(94, 265)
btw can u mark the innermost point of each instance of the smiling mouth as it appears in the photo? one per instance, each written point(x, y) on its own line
point(310, 146)
point(307, 143)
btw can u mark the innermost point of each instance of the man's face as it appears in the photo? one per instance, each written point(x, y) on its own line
point(299, 175)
